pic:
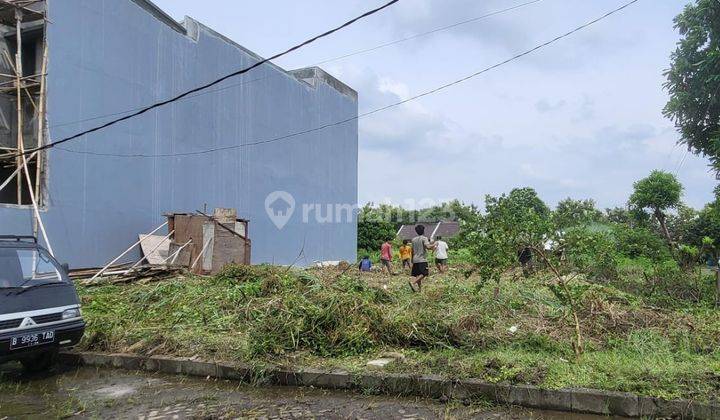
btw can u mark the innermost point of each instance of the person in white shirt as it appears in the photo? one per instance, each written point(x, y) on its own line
point(441, 254)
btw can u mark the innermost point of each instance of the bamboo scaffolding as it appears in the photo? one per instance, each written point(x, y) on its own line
point(32, 86)
point(18, 87)
point(34, 202)
point(12, 175)
point(22, 161)
point(41, 126)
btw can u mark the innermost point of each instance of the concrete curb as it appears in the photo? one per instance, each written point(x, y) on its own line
point(573, 400)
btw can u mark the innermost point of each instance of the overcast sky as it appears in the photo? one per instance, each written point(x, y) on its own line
point(581, 118)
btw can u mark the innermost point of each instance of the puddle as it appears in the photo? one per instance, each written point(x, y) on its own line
point(115, 391)
point(106, 393)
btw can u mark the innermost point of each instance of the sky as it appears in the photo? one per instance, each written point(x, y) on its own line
point(581, 118)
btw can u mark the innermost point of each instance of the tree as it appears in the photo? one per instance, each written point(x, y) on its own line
point(512, 223)
point(519, 222)
point(658, 192)
point(679, 224)
point(693, 79)
point(640, 242)
point(571, 213)
point(630, 217)
point(374, 228)
point(706, 231)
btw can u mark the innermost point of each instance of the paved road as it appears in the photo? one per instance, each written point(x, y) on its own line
point(92, 393)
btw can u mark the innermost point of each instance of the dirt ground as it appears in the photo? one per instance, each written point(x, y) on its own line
point(87, 393)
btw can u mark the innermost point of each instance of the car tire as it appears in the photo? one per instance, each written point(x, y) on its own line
point(40, 363)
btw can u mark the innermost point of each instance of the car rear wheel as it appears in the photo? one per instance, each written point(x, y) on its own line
point(41, 362)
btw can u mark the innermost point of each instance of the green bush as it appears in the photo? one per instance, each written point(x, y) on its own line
point(372, 234)
point(592, 252)
point(688, 255)
point(640, 242)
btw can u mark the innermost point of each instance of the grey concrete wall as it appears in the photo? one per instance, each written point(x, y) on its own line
point(109, 56)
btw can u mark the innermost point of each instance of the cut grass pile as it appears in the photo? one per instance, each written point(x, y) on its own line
point(454, 328)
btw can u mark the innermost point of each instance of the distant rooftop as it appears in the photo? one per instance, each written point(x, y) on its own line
point(432, 230)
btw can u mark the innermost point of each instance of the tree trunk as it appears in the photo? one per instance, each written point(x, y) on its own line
point(660, 216)
point(577, 345)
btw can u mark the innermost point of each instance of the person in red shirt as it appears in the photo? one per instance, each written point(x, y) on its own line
point(386, 257)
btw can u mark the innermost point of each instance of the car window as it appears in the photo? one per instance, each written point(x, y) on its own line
point(25, 267)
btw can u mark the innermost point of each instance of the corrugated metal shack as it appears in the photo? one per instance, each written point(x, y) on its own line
point(92, 60)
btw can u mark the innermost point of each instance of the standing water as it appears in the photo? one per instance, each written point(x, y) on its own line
point(105, 393)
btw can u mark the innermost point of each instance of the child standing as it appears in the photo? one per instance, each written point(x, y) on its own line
point(441, 254)
point(386, 257)
point(420, 245)
point(406, 254)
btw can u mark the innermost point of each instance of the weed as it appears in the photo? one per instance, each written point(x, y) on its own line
point(330, 319)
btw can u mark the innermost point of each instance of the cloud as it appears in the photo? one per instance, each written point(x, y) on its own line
point(419, 16)
point(514, 31)
point(543, 105)
point(579, 118)
point(586, 109)
point(411, 130)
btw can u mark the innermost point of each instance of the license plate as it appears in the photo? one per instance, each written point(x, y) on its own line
point(32, 340)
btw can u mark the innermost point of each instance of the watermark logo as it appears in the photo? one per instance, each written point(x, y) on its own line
point(280, 206)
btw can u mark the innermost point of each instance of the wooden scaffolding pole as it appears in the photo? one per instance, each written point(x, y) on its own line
point(41, 125)
point(99, 273)
point(36, 209)
point(18, 90)
point(17, 171)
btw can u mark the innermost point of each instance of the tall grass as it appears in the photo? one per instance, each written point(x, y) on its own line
point(455, 328)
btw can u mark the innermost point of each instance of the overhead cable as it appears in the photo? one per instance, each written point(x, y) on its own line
point(207, 85)
point(329, 60)
point(376, 110)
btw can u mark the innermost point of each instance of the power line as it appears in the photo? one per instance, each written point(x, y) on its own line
point(377, 110)
point(329, 60)
point(433, 31)
point(213, 83)
point(682, 162)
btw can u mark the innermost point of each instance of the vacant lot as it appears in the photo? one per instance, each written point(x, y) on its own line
point(456, 327)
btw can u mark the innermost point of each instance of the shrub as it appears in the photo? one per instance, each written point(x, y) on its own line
point(591, 252)
point(640, 242)
point(688, 255)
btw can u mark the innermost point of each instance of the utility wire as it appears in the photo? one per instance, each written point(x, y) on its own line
point(213, 83)
point(329, 60)
point(433, 31)
point(377, 110)
point(682, 162)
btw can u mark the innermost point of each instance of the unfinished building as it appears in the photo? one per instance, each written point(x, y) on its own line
point(22, 81)
point(70, 65)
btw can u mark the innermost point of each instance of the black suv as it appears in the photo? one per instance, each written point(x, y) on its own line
point(39, 307)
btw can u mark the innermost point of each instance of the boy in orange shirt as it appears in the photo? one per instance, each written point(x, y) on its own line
point(406, 254)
